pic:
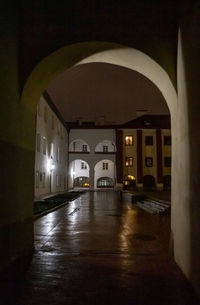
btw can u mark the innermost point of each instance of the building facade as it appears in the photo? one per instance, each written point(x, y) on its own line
point(146, 153)
point(51, 150)
point(92, 154)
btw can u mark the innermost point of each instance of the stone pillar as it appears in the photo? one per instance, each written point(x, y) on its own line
point(91, 179)
point(119, 158)
point(159, 160)
point(139, 161)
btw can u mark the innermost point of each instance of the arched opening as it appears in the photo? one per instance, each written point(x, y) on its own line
point(104, 174)
point(81, 182)
point(79, 172)
point(105, 146)
point(149, 182)
point(106, 53)
point(105, 182)
point(79, 146)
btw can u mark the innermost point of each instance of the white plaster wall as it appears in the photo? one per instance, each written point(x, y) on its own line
point(99, 172)
point(92, 136)
point(50, 127)
point(109, 144)
point(78, 145)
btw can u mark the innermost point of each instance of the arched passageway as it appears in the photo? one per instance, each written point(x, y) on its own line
point(140, 62)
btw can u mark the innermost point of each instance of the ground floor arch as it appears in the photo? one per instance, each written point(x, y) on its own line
point(78, 175)
point(104, 174)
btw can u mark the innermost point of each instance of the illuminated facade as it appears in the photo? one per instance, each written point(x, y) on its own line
point(51, 150)
point(145, 159)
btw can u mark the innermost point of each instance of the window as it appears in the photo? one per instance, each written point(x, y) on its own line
point(84, 147)
point(58, 154)
point(167, 161)
point(105, 148)
point(44, 146)
point(167, 140)
point(38, 142)
point(128, 140)
point(51, 150)
point(148, 161)
point(83, 165)
point(43, 180)
point(105, 166)
point(37, 179)
point(129, 161)
point(149, 140)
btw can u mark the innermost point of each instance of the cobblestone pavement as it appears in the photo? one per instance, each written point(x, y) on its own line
point(99, 250)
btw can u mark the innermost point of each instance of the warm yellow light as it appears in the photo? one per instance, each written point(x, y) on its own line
point(86, 184)
point(131, 177)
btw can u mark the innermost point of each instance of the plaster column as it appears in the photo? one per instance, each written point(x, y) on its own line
point(91, 179)
point(119, 159)
point(139, 160)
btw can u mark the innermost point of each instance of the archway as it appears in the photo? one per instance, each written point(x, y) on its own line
point(79, 146)
point(130, 58)
point(79, 172)
point(104, 174)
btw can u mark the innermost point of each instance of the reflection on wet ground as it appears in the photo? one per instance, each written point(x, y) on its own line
point(98, 250)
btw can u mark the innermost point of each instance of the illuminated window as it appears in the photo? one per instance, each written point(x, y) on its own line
point(148, 161)
point(149, 140)
point(105, 148)
point(167, 140)
point(128, 140)
point(105, 166)
point(83, 165)
point(167, 161)
point(129, 161)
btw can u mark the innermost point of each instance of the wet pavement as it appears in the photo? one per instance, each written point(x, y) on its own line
point(98, 250)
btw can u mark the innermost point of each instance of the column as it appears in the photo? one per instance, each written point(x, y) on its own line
point(159, 160)
point(119, 159)
point(91, 179)
point(139, 160)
